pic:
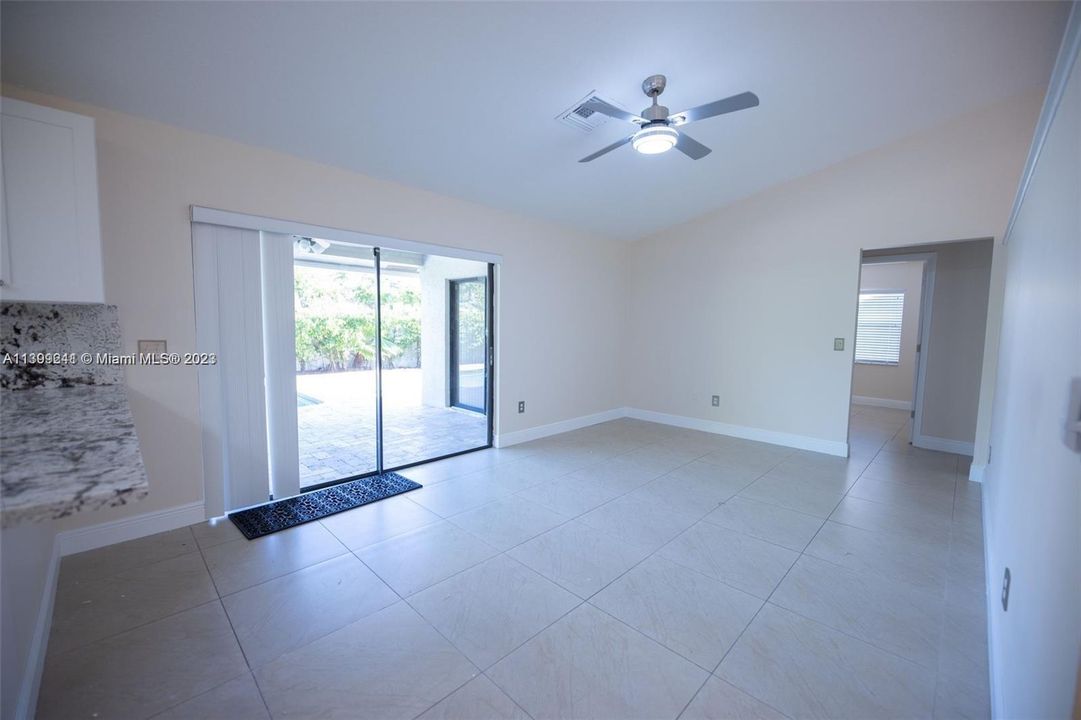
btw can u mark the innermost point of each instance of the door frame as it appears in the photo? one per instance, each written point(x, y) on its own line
point(923, 337)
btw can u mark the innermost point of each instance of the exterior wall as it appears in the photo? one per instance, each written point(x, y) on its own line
point(435, 274)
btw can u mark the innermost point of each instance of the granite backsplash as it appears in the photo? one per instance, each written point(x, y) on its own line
point(30, 328)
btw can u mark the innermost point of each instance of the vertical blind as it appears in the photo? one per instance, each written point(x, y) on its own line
point(232, 400)
point(878, 328)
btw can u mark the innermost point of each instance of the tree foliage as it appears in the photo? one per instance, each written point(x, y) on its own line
point(335, 319)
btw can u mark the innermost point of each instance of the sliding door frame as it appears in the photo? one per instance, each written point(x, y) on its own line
point(489, 374)
point(378, 365)
point(242, 221)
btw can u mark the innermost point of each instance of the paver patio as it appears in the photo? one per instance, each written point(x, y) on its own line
point(337, 432)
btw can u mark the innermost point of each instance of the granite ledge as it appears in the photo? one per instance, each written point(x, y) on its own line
point(67, 450)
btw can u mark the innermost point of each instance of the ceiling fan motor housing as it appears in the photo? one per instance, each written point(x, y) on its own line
point(655, 114)
point(653, 86)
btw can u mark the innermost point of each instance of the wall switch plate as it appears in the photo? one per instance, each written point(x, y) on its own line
point(838, 343)
point(521, 406)
point(716, 401)
point(151, 347)
point(1006, 590)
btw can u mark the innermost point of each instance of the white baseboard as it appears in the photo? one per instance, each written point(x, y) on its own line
point(882, 402)
point(96, 536)
point(958, 447)
point(976, 472)
point(26, 707)
point(535, 433)
point(801, 442)
point(73, 541)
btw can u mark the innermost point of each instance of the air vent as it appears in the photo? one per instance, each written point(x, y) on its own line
point(582, 118)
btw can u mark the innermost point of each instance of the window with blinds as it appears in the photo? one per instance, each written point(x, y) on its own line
point(878, 328)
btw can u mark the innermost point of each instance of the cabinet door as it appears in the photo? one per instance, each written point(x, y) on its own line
point(52, 244)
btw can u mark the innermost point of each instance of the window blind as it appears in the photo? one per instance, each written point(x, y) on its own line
point(878, 328)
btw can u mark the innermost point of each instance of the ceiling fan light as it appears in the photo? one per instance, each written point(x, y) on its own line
point(654, 139)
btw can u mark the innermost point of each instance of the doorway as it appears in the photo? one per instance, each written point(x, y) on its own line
point(921, 323)
point(468, 345)
point(334, 308)
point(393, 359)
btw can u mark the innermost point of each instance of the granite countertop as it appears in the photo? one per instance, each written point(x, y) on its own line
point(65, 450)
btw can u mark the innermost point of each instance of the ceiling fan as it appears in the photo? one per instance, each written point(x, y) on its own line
point(657, 129)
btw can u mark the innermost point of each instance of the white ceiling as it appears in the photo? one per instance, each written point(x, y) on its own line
point(460, 98)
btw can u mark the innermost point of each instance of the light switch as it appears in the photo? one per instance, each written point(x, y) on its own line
point(838, 343)
point(151, 347)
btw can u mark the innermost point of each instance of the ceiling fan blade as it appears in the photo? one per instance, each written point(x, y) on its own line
point(691, 147)
point(605, 150)
point(598, 105)
point(717, 107)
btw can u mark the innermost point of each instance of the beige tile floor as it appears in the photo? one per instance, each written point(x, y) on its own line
point(627, 570)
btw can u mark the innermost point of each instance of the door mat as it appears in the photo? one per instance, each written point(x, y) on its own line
point(283, 514)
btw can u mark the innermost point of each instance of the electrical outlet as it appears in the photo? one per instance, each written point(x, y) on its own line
point(1006, 590)
point(152, 347)
point(521, 406)
point(838, 343)
point(716, 401)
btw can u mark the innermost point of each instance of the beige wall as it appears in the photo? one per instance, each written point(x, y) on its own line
point(745, 302)
point(893, 382)
point(951, 394)
point(788, 257)
point(557, 289)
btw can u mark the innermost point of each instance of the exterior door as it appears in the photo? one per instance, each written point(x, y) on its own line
point(468, 344)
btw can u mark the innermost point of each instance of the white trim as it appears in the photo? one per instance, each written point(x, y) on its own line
point(882, 402)
point(929, 442)
point(540, 431)
point(131, 528)
point(288, 227)
point(1056, 88)
point(976, 472)
point(923, 342)
point(899, 258)
point(26, 706)
point(927, 292)
point(74, 541)
point(801, 442)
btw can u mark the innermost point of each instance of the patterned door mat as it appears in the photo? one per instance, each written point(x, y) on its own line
point(283, 514)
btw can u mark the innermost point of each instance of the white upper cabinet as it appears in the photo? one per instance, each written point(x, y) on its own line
point(50, 237)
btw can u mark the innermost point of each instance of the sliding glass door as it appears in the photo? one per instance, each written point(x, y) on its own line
point(336, 366)
point(423, 417)
point(393, 358)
